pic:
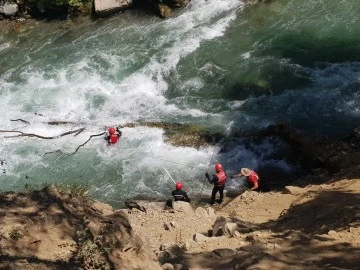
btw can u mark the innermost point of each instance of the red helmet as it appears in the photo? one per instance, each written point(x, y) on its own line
point(218, 167)
point(112, 130)
point(179, 185)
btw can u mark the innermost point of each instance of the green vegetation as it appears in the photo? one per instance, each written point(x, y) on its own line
point(15, 235)
point(51, 4)
point(75, 190)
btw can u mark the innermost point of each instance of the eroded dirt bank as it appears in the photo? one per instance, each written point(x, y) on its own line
point(310, 227)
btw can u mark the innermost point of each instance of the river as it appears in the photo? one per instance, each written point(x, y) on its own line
point(215, 63)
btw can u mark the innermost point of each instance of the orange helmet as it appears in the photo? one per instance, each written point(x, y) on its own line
point(218, 167)
point(179, 186)
point(112, 130)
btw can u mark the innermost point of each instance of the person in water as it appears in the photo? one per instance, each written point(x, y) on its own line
point(252, 178)
point(179, 194)
point(113, 135)
point(218, 179)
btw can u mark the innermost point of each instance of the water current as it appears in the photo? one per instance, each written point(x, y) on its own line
point(216, 63)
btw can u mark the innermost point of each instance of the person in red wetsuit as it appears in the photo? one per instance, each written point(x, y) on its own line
point(113, 135)
point(252, 178)
point(218, 180)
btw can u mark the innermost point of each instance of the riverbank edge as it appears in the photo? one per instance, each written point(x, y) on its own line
point(63, 228)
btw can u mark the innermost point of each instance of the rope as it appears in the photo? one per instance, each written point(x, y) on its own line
point(162, 165)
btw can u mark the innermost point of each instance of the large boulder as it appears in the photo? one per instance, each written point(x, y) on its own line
point(107, 7)
point(180, 206)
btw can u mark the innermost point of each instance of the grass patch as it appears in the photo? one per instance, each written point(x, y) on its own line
point(75, 190)
point(15, 235)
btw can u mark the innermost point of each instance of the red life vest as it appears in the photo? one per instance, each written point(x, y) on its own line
point(222, 178)
point(113, 138)
point(253, 177)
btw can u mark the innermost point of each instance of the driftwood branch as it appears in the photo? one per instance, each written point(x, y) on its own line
point(23, 134)
point(21, 120)
point(91, 136)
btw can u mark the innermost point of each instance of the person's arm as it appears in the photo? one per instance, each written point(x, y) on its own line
point(255, 186)
point(213, 180)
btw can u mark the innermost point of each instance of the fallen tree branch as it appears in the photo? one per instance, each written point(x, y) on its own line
point(91, 136)
point(23, 134)
point(24, 121)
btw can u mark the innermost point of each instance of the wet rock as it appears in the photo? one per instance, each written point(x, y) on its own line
point(163, 10)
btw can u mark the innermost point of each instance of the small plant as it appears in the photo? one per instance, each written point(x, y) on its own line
point(15, 235)
point(75, 190)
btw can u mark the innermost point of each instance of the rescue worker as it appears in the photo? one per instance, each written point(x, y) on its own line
point(252, 178)
point(113, 135)
point(218, 179)
point(179, 194)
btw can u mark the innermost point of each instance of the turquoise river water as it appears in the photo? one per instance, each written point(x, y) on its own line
point(216, 63)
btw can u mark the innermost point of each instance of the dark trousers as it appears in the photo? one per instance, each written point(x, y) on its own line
point(215, 190)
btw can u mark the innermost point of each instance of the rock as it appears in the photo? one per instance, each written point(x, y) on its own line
point(106, 7)
point(169, 226)
point(181, 206)
point(103, 208)
point(198, 237)
point(152, 206)
point(230, 228)
point(250, 238)
point(178, 266)
point(333, 234)
point(167, 266)
point(201, 212)
point(211, 212)
point(237, 234)
point(164, 10)
point(294, 190)
point(218, 226)
point(225, 252)
point(9, 9)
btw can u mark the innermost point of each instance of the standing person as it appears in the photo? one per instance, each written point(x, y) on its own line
point(218, 179)
point(251, 176)
point(179, 194)
point(113, 135)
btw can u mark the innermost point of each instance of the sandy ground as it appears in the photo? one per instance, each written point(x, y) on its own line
point(316, 227)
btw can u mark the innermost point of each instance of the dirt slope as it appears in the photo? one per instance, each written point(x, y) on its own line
point(316, 227)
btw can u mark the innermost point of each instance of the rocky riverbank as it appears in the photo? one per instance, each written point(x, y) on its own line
point(300, 227)
point(39, 9)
